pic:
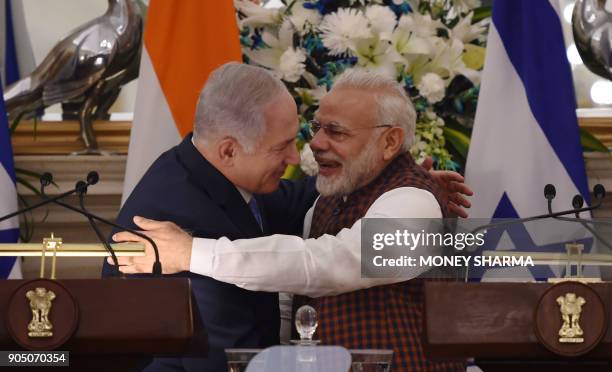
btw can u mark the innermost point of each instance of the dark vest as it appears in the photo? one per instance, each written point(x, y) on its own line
point(383, 317)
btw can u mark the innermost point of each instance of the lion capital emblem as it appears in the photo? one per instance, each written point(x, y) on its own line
point(570, 306)
point(40, 304)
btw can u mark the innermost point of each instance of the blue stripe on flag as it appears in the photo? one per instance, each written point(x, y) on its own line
point(10, 53)
point(505, 209)
point(6, 149)
point(532, 36)
point(6, 161)
point(6, 263)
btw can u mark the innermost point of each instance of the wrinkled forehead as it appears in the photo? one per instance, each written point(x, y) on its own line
point(350, 107)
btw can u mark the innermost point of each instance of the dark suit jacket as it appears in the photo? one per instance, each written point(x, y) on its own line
point(183, 187)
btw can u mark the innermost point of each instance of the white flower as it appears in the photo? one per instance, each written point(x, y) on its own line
point(421, 157)
point(341, 30)
point(408, 44)
point(382, 20)
point(448, 62)
point(421, 24)
point(374, 55)
point(285, 61)
point(292, 64)
point(304, 19)
point(432, 87)
point(465, 31)
point(307, 161)
point(256, 15)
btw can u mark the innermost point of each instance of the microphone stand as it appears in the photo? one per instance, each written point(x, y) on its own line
point(599, 192)
point(81, 190)
point(157, 266)
point(550, 193)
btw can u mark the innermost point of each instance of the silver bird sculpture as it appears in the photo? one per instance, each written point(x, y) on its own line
point(592, 28)
point(88, 67)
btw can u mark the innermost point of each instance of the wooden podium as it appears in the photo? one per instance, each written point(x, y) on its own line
point(118, 323)
point(520, 326)
point(106, 324)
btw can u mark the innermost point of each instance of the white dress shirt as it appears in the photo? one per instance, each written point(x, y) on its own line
point(324, 266)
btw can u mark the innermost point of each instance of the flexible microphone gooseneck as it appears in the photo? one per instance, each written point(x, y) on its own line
point(81, 189)
point(599, 192)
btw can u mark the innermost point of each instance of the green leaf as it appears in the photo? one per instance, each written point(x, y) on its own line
point(590, 143)
point(32, 174)
point(27, 184)
point(25, 233)
point(460, 141)
point(16, 122)
point(35, 127)
point(482, 13)
point(293, 172)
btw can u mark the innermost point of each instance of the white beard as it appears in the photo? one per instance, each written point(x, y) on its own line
point(354, 173)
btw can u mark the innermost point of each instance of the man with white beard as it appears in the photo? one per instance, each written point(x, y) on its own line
point(362, 132)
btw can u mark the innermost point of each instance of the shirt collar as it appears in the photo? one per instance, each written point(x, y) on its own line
point(247, 196)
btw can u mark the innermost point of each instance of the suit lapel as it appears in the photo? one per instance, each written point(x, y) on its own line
point(219, 188)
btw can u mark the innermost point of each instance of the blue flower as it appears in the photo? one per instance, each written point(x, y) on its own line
point(323, 6)
point(335, 68)
point(312, 43)
point(257, 41)
point(400, 9)
point(408, 81)
point(304, 133)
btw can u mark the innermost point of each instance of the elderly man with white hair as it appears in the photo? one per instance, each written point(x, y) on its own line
point(362, 131)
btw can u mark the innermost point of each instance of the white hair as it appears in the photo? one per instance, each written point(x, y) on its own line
point(232, 104)
point(394, 105)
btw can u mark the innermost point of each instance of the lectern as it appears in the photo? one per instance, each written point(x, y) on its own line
point(521, 326)
point(105, 324)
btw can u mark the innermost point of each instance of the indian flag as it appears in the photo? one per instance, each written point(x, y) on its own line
point(183, 42)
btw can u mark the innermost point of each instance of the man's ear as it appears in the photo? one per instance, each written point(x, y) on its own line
point(227, 150)
point(393, 140)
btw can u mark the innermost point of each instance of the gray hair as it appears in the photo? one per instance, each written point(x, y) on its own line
point(232, 104)
point(394, 105)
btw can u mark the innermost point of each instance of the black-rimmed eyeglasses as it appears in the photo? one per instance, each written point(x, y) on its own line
point(336, 131)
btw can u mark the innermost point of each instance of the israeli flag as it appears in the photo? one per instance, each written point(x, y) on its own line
point(526, 132)
point(9, 229)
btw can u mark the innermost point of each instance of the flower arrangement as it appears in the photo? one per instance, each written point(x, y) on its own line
point(435, 48)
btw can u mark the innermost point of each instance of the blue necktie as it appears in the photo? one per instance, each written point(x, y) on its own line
point(256, 213)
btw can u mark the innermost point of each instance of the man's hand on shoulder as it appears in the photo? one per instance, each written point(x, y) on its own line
point(453, 188)
point(173, 243)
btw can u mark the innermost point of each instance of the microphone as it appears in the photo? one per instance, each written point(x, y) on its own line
point(92, 178)
point(599, 193)
point(39, 204)
point(46, 179)
point(577, 201)
point(81, 189)
point(550, 193)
